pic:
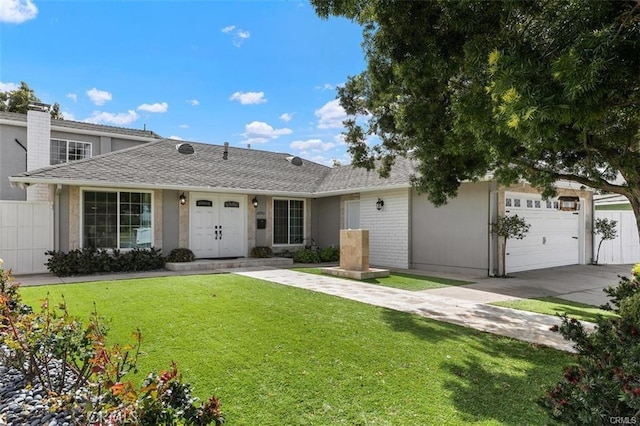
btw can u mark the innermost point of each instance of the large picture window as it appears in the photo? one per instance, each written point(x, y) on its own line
point(116, 219)
point(64, 151)
point(288, 221)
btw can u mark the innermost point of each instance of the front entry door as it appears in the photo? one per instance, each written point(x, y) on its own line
point(217, 225)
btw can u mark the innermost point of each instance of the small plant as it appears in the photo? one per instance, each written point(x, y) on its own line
point(606, 230)
point(330, 254)
point(306, 256)
point(604, 385)
point(506, 227)
point(261, 252)
point(181, 255)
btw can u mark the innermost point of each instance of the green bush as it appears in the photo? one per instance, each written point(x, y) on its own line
point(604, 385)
point(306, 256)
point(180, 255)
point(261, 252)
point(91, 261)
point(330, 254)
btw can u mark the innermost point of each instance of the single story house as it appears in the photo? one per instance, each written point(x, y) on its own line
point(222, 201)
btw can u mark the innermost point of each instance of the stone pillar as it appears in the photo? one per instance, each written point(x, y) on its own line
point(354, 249)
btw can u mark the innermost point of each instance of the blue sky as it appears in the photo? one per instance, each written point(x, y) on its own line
point(262, 72)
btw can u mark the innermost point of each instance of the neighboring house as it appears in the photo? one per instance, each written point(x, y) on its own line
point(221, 201)
point(32, 141)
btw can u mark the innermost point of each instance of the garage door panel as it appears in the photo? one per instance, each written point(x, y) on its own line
point(552, 239)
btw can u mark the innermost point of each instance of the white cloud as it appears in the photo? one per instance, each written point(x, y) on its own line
point(73, 97)
point(331, 115)
point(17, 11)
point(68, 116)
point(312, 145)
point(193, 102)
point(8, 87)
point(238, 34)
point(157, 107)
point(99, 97)
point(177, 138)
point(261, 132)
point(184, 126)
point(119, 119)
point(326, 86)
point(248, 98)
point(286, 117)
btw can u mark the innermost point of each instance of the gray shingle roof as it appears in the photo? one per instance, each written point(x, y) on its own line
point(14, 116)
point(158, 164)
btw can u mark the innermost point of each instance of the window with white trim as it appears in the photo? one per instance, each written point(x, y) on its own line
point(288, 221)
point(63, 151)
point(116, 219)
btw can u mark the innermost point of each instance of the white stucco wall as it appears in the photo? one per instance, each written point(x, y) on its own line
point(388, 228)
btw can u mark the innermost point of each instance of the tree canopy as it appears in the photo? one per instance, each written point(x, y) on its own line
point(541, 90)
point(18, 100)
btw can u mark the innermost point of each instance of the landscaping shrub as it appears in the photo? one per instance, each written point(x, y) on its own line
point(181, 255)
point(85, 377)
point(91, 261)
point(604, 385)
point(330, 254)
point(261, 252)
point(306, 256)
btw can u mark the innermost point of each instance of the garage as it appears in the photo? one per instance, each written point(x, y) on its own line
point(554, 236)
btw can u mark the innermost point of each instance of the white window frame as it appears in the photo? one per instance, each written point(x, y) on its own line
point(117, 191)
point(87, 147)
point(304, 221)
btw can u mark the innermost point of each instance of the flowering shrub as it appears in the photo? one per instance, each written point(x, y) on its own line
point(604, 385)
point(82, 374)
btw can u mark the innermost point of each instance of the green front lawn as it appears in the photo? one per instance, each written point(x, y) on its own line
point(557, 306)
point(402, 281)
point(278, 355)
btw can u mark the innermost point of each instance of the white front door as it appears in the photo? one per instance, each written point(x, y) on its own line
point(217, 225)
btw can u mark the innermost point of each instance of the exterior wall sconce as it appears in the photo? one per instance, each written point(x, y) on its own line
point(183, 199)
point(379, 204)
point(255, 202)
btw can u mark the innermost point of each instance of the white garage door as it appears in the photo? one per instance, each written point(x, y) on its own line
point(26, 233)
point(552, 240)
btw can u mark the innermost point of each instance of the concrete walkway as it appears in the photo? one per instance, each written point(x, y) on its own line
point(526, 326)
point(465, 305)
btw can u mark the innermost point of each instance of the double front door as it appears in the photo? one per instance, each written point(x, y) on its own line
point(217, 225)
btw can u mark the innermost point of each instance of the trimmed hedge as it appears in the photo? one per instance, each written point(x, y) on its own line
point(92, 261)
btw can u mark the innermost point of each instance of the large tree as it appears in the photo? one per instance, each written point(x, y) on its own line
point(18, 100)
point(541, 90)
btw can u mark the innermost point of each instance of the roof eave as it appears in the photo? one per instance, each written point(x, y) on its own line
point(25, 181)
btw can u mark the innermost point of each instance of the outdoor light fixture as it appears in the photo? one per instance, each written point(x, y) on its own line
point(183, 199)
point(255, 202)
point(379, 204)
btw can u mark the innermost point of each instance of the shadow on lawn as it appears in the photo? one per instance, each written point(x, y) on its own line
point(490, 377)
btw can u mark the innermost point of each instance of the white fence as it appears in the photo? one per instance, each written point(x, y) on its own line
point(26, 233)
point(626, 247)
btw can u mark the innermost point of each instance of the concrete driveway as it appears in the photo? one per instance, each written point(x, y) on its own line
point(578, 283)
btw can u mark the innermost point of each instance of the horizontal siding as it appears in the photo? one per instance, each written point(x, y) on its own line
point(388, 228)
